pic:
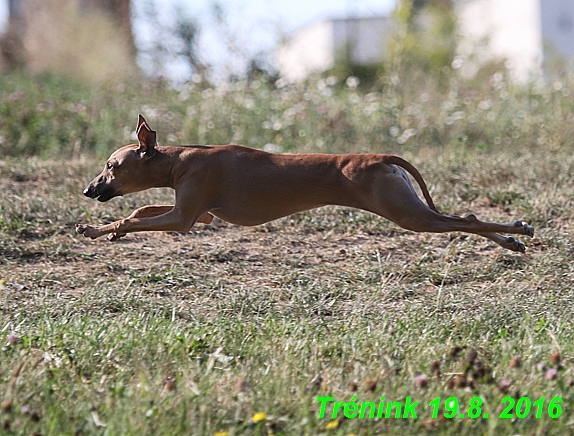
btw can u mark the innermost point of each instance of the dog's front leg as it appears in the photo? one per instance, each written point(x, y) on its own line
point(142, 212)
point(172, 221)
point(151, 211)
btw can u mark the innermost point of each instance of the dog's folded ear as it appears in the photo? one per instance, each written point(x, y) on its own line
point(147, 138)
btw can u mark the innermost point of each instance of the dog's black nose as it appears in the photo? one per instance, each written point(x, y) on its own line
point(87, 192)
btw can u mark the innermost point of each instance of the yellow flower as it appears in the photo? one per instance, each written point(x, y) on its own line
point(258, 417)
point(220, 433)
point(332, 425)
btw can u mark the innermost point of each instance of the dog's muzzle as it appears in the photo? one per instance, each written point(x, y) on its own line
point(101, 194)
point(89, 192)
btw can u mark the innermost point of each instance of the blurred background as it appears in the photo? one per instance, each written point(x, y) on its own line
point(168, 38)
point(223, 39)
point(73, 71)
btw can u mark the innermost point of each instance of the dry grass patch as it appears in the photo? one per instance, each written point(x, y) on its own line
point(196, 333)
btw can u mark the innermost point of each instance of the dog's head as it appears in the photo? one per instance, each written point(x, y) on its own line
point(126, 169)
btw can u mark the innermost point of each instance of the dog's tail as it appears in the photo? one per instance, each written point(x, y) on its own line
point(390, 159)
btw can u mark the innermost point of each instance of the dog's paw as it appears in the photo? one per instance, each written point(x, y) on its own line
point(528, 230)
point(515, 245)
point(87, 230)
point(112, 237)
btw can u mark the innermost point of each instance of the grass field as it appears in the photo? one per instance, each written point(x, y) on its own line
point(202, 333)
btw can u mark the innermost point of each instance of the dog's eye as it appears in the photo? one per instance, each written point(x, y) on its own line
point(109, 166)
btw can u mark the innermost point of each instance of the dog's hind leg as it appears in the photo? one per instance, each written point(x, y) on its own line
point(507, 242)
point(399, 202)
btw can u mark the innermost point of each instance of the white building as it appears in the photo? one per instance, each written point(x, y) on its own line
point(316, 48)
point(528, 33)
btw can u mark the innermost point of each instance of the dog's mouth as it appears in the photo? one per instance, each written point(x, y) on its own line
point(101, 195)
point(105, 197)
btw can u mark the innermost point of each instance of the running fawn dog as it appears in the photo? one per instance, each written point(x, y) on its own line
point(249, 187)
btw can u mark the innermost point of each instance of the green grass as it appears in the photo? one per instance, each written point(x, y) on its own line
point(196, 333)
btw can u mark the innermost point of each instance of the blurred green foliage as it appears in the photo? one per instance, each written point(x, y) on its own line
point(426, 37)
point(52, 116)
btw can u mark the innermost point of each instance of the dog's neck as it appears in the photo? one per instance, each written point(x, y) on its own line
point(166, 166)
